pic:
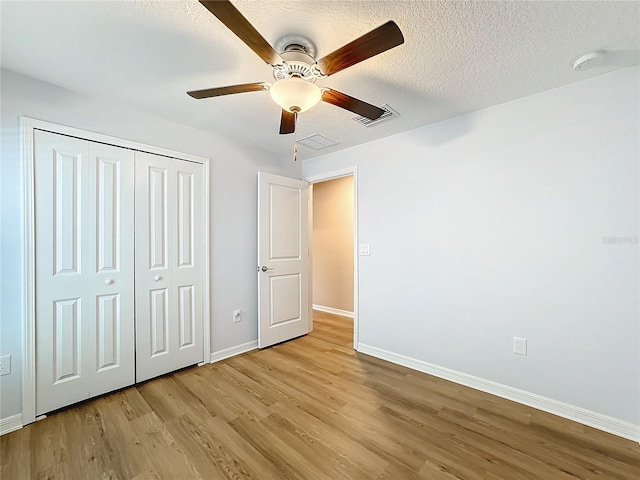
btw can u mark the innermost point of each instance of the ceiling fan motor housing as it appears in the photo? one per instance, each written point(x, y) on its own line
point(297, 64)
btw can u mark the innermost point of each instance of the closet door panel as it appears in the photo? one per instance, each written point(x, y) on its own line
point(108, 178)
point(84, 269)
point(67, 200)
point(111, 330)
point(62, 269)
point(159, 322)
point(158, 235)
point(153, 243)
point(67, 345)
point(168, 276)
point(188, 261)
point(186, 223)
point(186, 317)
point(108, 321)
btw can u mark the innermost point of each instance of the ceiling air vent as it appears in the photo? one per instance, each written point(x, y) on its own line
point(388, 113)
point(317, 142)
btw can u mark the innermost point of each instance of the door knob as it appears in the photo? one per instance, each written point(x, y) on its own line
point(157, 278)
point(264, 269)
point(108, 281)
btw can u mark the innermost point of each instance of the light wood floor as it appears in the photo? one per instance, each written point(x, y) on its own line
point(311, 409)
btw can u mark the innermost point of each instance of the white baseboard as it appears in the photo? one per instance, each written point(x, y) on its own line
point(571, 412)
point(335, 311)
point(10, 424)
point(232, 351)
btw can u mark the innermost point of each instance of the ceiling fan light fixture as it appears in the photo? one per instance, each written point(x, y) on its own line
point(294, 94)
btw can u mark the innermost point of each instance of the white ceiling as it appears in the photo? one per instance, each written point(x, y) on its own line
point(457, 57)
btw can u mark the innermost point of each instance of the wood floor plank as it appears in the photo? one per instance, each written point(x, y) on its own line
point(119, 411)
point(310, 409)
point(51, 450)
point(270, 443)
point(169, 399)
point(95, 455)
point(343, 446)
point(15, 455)
point(212, 458)
point(333, 328)
point(324, 455)
point(169, 459)
point(379, 437)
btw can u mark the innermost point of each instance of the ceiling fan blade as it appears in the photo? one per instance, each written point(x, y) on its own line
point(376, 41)
point(287, 122)
point(216, 92)
point(352, 104)
point(235, 21)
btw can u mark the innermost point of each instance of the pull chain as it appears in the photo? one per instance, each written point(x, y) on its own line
point(295, 138)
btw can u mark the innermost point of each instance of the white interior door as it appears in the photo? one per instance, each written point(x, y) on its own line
point(283, 259)
point(169, 219)
point(84, 269)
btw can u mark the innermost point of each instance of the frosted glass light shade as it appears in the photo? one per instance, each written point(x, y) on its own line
point(295, 94)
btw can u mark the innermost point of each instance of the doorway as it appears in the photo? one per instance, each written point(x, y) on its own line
point(333, 259)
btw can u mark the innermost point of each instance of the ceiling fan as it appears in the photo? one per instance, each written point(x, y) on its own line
point(296, 70)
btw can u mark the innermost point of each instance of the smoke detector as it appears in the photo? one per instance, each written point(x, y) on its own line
point(587, 60)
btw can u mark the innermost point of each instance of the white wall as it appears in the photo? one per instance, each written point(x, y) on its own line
point(492, 225)
point(233, 207)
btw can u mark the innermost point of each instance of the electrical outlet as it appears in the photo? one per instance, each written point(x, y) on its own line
point(5, 365)
point(237, 316)
point(520, 346)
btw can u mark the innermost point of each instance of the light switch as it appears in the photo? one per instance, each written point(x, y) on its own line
point(365, 249)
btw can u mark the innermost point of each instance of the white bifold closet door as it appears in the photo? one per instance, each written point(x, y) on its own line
point(118, 278)
point(169, 316)
point(84, 269)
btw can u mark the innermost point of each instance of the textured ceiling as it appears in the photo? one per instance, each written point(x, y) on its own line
point(457, 57)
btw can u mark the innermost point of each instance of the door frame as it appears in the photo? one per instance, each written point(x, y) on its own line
point(323, 177)
point(27, 127)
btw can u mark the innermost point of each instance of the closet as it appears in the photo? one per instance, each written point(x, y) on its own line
point(118, 267)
